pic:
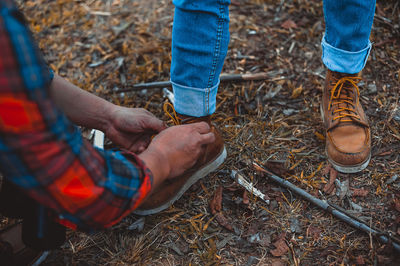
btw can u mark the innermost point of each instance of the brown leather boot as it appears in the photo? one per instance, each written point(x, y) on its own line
point(348, 135)
point(172, 189)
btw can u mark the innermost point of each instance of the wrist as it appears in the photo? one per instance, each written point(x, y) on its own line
point(109, 113)
point(157, 162)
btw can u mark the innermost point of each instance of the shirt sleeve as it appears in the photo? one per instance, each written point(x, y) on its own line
point(43, 153)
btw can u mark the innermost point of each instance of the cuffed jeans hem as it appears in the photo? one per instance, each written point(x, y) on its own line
point(195, 101)
point(344, 61)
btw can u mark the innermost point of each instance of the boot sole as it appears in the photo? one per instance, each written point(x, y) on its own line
point(347, 169)
point(208, 168)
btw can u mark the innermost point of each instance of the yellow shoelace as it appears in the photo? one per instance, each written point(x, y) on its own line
point(339, 96)
point(169, 110)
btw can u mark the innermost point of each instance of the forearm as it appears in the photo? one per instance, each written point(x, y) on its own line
point(80, 106)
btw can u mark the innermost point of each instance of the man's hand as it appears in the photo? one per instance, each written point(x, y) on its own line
point(176, 149)
point(132, 128)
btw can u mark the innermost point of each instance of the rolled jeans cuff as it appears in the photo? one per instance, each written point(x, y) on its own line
point(195, 101)
point(344, 61)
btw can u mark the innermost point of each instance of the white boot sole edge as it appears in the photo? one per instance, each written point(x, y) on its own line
point(212, 166)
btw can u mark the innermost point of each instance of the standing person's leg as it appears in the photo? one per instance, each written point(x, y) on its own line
point(345, 50)
point(200, 38)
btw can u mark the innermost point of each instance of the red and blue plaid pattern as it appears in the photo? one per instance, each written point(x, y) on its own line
point(44, 154)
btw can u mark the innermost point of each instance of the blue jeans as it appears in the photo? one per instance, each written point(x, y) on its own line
point(346, 45)
point(200, 38)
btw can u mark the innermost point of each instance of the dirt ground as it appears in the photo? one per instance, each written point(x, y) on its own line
point(105, 46)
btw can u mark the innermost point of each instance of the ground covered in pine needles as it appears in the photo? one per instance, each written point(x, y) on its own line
point(105, 46)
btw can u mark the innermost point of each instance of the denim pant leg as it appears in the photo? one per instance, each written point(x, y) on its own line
point(346, 45)
point(200, 38)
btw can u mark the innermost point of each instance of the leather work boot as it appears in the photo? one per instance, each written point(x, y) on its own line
point(172, 189)
point(348, 135)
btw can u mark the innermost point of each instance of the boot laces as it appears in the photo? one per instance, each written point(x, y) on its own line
point(169, 110)
point(175, 118)
point(341, 101)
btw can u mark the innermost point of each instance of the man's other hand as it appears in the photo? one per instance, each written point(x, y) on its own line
point(132, 128)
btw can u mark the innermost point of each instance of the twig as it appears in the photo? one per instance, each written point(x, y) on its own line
point(223, 78)
point(296, 263)
point(325, 206)
point(248, 186)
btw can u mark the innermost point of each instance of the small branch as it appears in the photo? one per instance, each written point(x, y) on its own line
point(248, 186)
point(223, 78)
point(383, 237)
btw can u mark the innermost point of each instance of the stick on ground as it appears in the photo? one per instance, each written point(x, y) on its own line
point(381, 236)
point(223, 78)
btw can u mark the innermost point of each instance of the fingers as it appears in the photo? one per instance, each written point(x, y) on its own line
point(204, 130)
point(201, 127)
point(207, 138)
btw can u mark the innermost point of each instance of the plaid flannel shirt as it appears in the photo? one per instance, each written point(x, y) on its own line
point(44, 154)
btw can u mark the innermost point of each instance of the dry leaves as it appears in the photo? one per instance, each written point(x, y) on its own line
point(332, 177)
point(359, 192)
point(396, 203)
point(296, 92)
point(216, 202)
point(281, 248)
point(314, 232)
point(216, 207)
point(289, 24)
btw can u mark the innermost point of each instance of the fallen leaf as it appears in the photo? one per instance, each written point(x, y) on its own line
point(314, 232)
point(245, 198)
point(327, 168)
point(360, 260)
point(216, 207)
point(277, 168)
point(396, 203)
point(343, 189)
point(278, 262)
point(223, 221)
point(216, 202)
point(281, 248)
point(385, 153)
point(359, 192)
point(289, 24)
point(296, 92)
point(332, 177)
point(319, 135)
